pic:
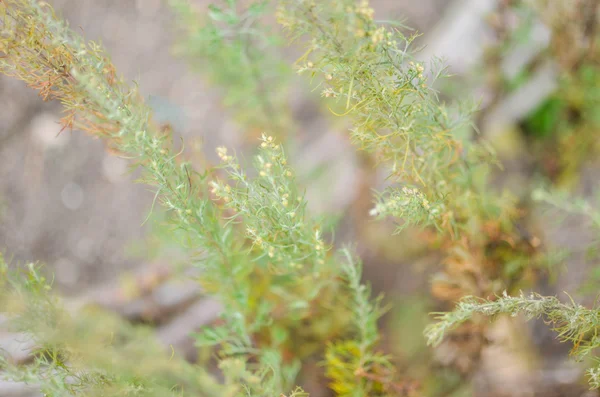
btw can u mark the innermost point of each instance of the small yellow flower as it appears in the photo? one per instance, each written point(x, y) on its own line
point(222, 153)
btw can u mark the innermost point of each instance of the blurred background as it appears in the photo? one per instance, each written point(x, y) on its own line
point(67, 202)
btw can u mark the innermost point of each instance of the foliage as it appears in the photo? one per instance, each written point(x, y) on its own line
point(258, 251)
point(368, 69)
point(565, 124)
point(287, 294)
point(572, 322)
point(568, 123)
point(396, 115)
point(234, 47)
point(354, 358)
point(563, 202)
point(92, 353)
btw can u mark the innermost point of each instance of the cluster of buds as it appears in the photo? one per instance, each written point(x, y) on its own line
point(319, 245)
point(416, 195)
point(328, 93)
point(409, 197)
point(378, 36)
point(418, 68)
point(265, 167)
point(274, 156)
point(420, 109)
point(221, 191)
point(267, 142)
point(307, 66)
point(254, 236)
point(390, 40)
point(222, 153)
point(365, 10)
point(283, 17)
point(284, 199)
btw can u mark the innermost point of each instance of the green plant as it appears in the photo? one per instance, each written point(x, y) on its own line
point(368, 69)
point(567, 123)
point(92, 353)
point(561, 130)
point(571, 321)
point(287, 294)
point(257, 250)
point(235, 49)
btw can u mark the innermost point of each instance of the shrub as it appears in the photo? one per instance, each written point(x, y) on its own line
point(287, 293)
